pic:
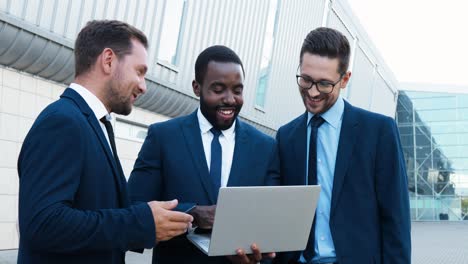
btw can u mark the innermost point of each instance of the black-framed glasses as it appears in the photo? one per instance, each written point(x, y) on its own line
point(324, 87)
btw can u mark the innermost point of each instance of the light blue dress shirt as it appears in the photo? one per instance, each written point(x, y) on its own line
point(327, 147)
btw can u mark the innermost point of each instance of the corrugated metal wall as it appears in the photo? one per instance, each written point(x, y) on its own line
point(65, 18)
point(239, 24)
point(283, 101)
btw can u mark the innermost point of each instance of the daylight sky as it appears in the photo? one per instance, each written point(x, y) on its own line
point(423, 41)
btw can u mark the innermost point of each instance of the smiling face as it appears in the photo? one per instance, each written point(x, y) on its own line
point(128, 80)
point(321, 68)
point(220, 93)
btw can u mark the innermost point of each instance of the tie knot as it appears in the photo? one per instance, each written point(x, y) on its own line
point(216, 132)
point(317, 121)
point(104, 120)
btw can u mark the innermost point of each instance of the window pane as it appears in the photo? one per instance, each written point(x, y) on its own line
point(439, 156)
point(170, 31)
point(266, 54)
point(130, 131)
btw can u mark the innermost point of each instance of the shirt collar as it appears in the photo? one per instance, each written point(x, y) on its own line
point(93, 102)
point(205, 126)
point(333, 115)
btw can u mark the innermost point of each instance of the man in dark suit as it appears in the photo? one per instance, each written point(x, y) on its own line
point(73, 202)
point(356, 157)
point(191, 157)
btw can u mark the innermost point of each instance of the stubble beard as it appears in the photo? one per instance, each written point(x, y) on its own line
point(118, 103)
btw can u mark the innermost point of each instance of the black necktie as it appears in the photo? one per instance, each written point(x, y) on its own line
point(315, 123)
point(123, 198)
point(110, 134)
point(216, 158)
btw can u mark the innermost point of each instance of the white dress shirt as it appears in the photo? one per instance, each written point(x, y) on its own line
point(96, 106)
point(227, 139)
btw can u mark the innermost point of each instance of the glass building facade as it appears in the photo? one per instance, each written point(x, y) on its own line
point(434, 135)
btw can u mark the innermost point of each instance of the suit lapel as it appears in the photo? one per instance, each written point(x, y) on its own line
point(116, 168)
point(192, 135)
point(242, 155)
point(298, 137)
point(348, 135)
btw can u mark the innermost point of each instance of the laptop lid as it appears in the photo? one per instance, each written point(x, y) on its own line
point(276, 218)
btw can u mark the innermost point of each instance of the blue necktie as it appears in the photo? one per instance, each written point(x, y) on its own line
point(216, 158)
point(315, 123)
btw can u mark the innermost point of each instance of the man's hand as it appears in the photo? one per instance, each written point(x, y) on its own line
point(253, 258)
point(169, 223)
point(203, 216)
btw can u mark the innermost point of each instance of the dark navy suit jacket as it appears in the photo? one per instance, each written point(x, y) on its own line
point(172, 165)
point(369, 218)
point(71, 190)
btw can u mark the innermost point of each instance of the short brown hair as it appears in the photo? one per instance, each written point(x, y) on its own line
point(100, 34)
point(330, 43)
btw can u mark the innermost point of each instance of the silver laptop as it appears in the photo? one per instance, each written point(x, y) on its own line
point(276, 218)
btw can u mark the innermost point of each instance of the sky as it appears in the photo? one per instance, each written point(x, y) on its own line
point(421, 41)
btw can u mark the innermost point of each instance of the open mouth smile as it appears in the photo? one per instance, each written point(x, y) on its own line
point(226, 113)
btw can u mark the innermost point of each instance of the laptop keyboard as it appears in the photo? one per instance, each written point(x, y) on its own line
point(204, 243)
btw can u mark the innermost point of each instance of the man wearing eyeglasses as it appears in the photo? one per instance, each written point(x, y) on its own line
point(355, 155)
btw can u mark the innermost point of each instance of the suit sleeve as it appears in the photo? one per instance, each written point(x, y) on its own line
point(273, 173)
point(392, 196)
point(146, 180)
point(50, 165)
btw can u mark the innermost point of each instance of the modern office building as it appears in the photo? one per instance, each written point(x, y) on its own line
point(36, 65)
point(434, 134)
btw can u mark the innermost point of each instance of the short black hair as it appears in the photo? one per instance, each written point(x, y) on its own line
point(217, 53)
point(328, 42)
point(100, 34)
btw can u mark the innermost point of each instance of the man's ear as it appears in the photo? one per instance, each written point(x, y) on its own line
point(196, 88)
point(345, 79)
point(107, 60)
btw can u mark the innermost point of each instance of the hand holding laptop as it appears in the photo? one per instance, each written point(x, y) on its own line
point(255, 257)
point(203, 216)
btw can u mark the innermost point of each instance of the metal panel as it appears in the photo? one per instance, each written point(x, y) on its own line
point(296, 19)
point(110, 10)
point(239, 25)
point(30, 13)
point(362, 80)
point(66, 17)
point(45, 14)
point(382, 100)
point(334, 21)
point(100, 9)
point(3, 5)
point(32, 53)
point(60, 6)
point(73, 23)
point(236, 27)
point(15, 7)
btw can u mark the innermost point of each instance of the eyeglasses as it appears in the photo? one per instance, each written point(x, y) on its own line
point(324, 87)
